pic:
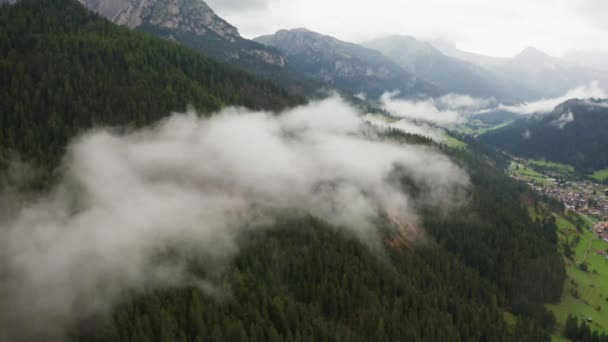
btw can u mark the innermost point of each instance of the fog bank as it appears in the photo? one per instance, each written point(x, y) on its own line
point(195, 184)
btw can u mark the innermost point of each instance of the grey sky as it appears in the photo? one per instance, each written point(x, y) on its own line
point(231, 6)
point(500, 28)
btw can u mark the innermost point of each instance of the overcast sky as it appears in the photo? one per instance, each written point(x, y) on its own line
point(495, 27)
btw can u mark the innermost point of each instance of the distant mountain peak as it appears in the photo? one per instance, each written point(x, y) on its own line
point(345, 65)
point(300, 29)
point(449, 73)
point(192, 16)
point(532, 54)
point(532, 50)
point(298, 40)
point(406, 43)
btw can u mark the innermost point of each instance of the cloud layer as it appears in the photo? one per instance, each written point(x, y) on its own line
point(593, 90)
point(195, 184)
point(407, 126)
point(444, 111)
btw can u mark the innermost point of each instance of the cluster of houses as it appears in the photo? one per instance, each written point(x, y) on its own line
point(579, 200)
point(581, 196)
point(572, 200)
point(601, 229)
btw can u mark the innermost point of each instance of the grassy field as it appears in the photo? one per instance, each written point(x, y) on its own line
point(585, 292)
point(455, 143)
point(557, 167)
point(529, 175)
point(590, 219)
point(510, 319)
point(556, 338)
point(600, 175)
point(475, 130)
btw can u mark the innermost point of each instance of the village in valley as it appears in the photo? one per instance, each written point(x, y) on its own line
point(584, 196)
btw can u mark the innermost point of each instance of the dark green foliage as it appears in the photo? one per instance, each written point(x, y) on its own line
point(63, 69)
point(303, 280)
point(582, 332)
point(496, 236)
point(243, 53)
point(580, 143)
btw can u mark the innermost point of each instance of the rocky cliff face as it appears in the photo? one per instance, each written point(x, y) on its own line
point(194, 24)
point(192, 16)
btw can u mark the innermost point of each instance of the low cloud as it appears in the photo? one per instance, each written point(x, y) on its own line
point(563, 120)
point(462, 102)
point(602, 103)
point(193, 185)
point(446, 110)
point(593, 90)
point(407, 126)
point(361, 96)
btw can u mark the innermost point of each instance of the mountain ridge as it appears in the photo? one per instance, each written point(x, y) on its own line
point(545, 75)
point(573, 133)
point(132, 78)
point(194, 24)
point(346, 65)
point(449, 73)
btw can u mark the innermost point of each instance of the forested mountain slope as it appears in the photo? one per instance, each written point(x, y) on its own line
point(304, 281)
point(64, 69)
point(194, 24)
point(574, 133)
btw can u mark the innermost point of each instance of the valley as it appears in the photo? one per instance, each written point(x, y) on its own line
point(559, 181)
point(206, 171)
point(582, 237)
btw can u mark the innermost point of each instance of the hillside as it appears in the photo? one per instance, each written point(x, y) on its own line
point(304, 280)
point(574, 133)
point(194, 24)
point(449, 73)
point(345, 65)
point(65, 69)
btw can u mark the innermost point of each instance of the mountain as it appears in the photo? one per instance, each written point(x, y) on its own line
point(449, 49)
point(541, 74)
point(574, 133)
point(551, 76)
point(65, 69)
point(194, 24)
point(449, 73)
point(345, 65)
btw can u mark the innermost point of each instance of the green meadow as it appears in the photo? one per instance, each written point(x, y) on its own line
point(600, 175)
point(557, 167)
point(530, 175)
point(585, 291)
